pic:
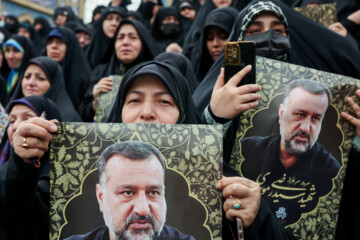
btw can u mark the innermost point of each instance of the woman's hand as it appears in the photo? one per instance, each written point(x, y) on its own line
point(355, 107)
point(31, 138)
point(228, 100)
point(103, 86)
point(245, 190)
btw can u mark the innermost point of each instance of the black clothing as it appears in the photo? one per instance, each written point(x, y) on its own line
point(12, 27)
point(348, 221)
point(24, 189)
point(100, 43)
point(75, 67)
point(56, 92)
point(316, 168)
point(3, 93)
point(102, 233)
point(45, 30)
point(222, 18)
point(265, 225)
point(115, 66)
point(146, 10)
point(181, 63)
point(66, 11)
point(159, 35)
point(34, 36)
point(172, 79)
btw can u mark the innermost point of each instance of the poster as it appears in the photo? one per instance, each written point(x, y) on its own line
point(193, 155)
point(106, 100)
point(303, 199)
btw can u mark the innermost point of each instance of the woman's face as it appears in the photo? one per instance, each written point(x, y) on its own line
point(35, 81)
point(110, 23)
point(222, 3)
point(13, 56)
point(18, 114)
point(128, 44)
point(148, 101)
point(56, 48)
point(24, 32)
point(215, 40)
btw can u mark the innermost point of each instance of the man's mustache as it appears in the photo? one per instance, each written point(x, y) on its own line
point(299, 132)
point(133, 218)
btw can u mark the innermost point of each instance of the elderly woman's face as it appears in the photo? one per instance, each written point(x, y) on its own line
point(128, 44)
point(148, 101)
point(18, 114)
point(13, 56)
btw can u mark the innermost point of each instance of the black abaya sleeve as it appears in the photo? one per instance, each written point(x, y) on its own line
point(24, 200)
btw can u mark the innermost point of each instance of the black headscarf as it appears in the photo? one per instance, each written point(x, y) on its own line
point(44, 31)
point(66, 11)
point(115, 66)
point(181, 63)
point(75, 67)
point(146, 10)
point(222, 18)
point(162, 40)
point(192, 39)
point(34, 36)
point(12, 27)
point(56, 92)
point(100, 43)
point(172, 79)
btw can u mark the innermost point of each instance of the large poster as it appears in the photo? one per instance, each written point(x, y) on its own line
point(193, 156)
point(304, 191)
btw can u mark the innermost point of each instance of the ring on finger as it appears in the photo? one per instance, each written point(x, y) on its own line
point(237, 203)
point(25, 145)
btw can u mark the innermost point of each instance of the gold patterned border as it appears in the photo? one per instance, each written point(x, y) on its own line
point(195, 151)
point(273, 76)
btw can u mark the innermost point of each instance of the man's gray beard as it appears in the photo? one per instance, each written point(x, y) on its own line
point(140, 234)
point(299, 148)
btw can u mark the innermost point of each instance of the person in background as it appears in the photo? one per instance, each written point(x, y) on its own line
point(96, 15)
point(63, 46)
point(27, 30)
point(215, 33)
point(132, 44)
point(43, 76)
point(83, 34)
point(24, 171)
point(187, 10)
point(167, 29)
point(149, 9)
point(63, 15)
point(104, 32)
point(18, 50)
point(11, 24)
